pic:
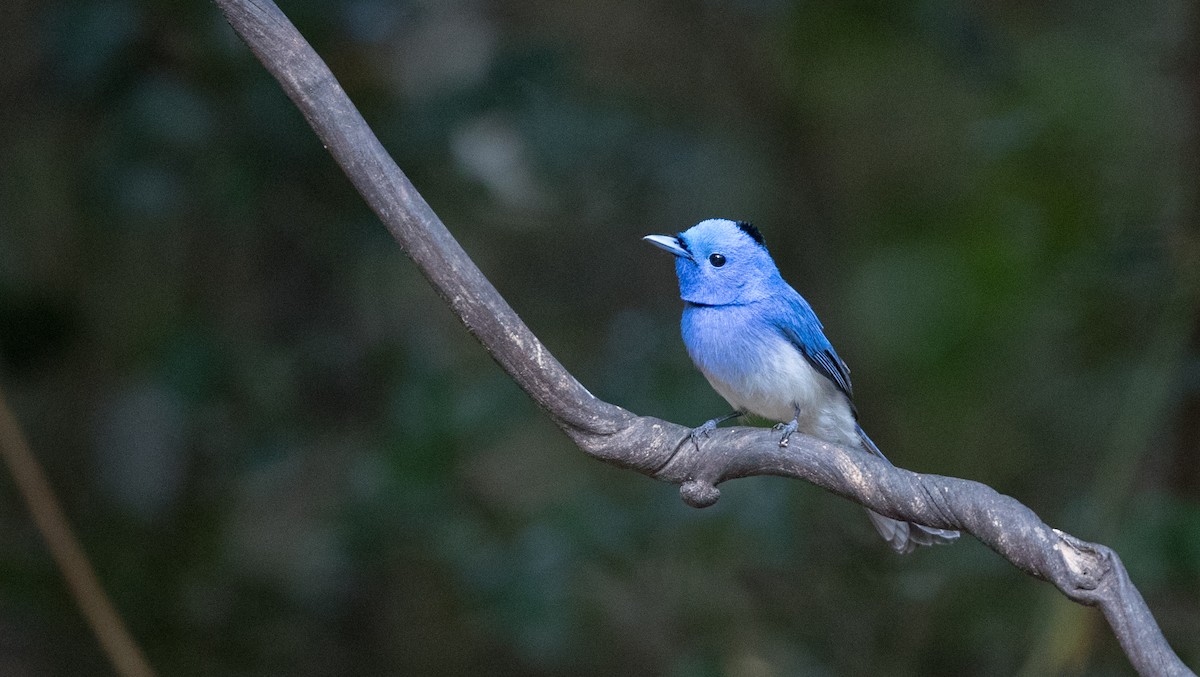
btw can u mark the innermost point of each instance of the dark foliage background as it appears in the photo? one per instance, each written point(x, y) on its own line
point(286, 457)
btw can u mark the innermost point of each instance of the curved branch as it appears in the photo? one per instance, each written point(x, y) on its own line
point(1087, 573)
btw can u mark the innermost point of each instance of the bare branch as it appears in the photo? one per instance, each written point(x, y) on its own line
point(101, 616)
point(1087, 573)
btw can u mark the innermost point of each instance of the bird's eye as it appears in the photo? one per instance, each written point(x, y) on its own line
point(717, 260)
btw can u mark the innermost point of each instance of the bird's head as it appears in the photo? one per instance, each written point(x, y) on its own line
point(720, 262)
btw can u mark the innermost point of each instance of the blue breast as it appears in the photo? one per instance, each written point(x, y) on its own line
point(727, 342)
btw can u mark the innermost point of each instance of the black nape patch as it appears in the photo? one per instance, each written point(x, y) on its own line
point(749, 229)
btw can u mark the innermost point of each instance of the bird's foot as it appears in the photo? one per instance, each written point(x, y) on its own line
point(787, 428)
point(711, 425)
point(703, 430)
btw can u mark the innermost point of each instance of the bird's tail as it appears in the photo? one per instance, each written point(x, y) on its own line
point(904, 537)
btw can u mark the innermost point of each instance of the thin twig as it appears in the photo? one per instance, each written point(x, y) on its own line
point(123, 652)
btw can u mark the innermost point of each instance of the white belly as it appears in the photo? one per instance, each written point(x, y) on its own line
point(772, 379)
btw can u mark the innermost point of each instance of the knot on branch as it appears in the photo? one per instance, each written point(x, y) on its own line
point(699, 493)
point(1083, 560)
point(1089, 566)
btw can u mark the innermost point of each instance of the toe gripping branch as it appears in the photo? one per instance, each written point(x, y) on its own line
point(699, 463)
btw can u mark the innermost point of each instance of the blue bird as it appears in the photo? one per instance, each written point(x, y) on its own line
point(762, 348)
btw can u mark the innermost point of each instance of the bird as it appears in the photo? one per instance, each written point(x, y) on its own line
point(761, 347)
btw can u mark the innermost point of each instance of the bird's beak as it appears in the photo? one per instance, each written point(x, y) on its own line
point(668, 243)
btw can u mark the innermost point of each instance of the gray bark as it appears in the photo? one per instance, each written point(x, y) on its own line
point(1087, 573)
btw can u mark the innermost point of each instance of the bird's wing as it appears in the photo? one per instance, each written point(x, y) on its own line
point(800, 325)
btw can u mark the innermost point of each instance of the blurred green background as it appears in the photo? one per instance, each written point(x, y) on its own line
point(286, 457)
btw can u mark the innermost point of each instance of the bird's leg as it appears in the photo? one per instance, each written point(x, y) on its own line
point(711, 425)
point(788, 428)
